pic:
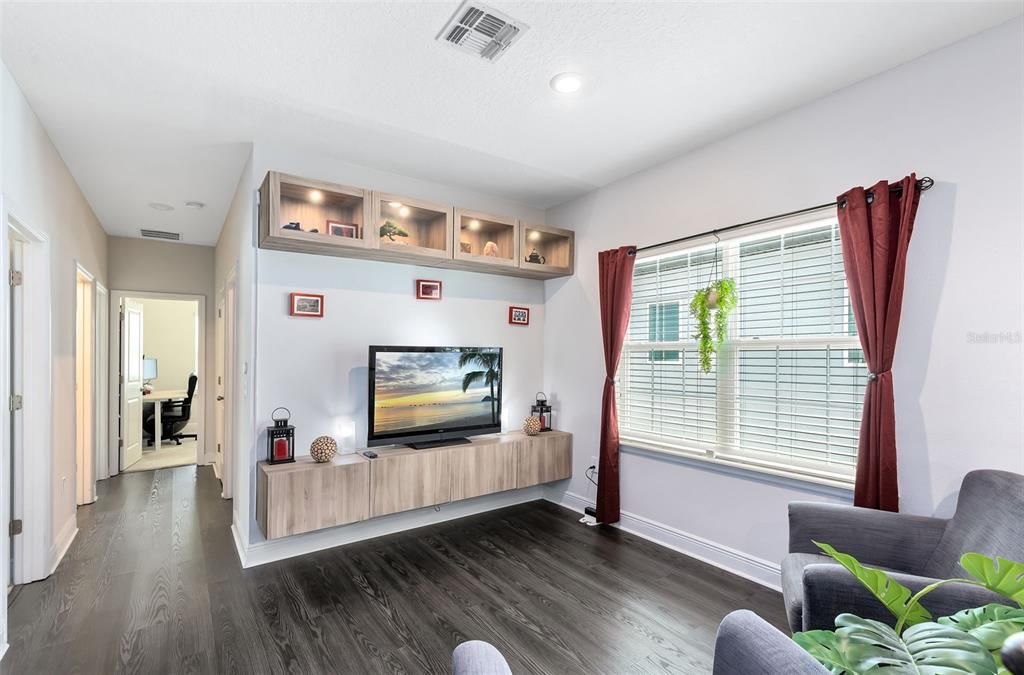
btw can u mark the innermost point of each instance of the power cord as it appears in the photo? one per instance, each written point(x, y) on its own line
point(591, 470)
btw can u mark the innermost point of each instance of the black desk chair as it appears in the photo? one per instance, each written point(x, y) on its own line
point(174, 415)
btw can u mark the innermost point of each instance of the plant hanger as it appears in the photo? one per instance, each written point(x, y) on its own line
point(717, 295)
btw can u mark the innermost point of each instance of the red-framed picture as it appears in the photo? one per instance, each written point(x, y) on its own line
point(306, 304)
point(339, 229)
point(428, 289)
point(519, 316)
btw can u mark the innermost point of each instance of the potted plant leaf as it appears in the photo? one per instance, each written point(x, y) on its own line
point(720, 297)
point(966, 642)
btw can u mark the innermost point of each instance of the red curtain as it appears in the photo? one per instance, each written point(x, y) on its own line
point(615, 280)
point(875, 227)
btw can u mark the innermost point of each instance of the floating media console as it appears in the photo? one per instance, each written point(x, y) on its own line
point(306, 496)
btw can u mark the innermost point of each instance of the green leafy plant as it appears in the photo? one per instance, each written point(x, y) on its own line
point(719, 296)
point(967, 642)
point(390, 230)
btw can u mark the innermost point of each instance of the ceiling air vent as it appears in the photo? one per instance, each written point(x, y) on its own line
point(482, 31)
point(160, 234)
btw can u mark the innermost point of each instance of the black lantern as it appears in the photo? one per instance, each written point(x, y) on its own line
point(281, 438)
point(542, 410)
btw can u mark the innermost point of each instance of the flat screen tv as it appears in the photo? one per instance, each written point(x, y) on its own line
point(431, 396)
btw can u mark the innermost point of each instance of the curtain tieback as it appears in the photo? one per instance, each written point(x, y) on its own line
point(874, 376)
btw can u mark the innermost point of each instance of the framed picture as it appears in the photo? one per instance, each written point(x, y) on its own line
point(519, 316)
point(307, 304)
point(428, 289)
point(338, 229)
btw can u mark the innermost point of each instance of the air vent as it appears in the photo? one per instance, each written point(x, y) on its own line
point(482, 31)
point(160, 234)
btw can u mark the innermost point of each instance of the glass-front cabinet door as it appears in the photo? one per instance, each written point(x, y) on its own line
point(303, 211)
point(486, 239)
point(546, 249)
point(405, 225)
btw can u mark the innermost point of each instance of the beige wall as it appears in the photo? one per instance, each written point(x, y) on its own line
point(167, 267)
point(40, 192)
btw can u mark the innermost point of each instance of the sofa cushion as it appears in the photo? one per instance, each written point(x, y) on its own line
point(793, 584)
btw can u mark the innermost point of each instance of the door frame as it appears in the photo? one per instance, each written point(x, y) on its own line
point(116, 301)
point(229, 301)
point(31, 551)
point(86, 475)
point(101, 360)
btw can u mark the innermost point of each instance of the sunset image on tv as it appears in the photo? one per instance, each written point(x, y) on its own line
point(417, 391)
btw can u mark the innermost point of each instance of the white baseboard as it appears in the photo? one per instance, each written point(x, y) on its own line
point(62, 542)
point(216, 468)
point(262, 552)
point(731, 560)
point(239, 546)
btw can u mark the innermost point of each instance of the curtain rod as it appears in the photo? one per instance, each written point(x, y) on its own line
point(922, 185)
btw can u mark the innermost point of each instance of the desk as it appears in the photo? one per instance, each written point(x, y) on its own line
point(157, 397)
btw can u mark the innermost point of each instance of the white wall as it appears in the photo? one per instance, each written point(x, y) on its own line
point(955, 115)
point(42, 194)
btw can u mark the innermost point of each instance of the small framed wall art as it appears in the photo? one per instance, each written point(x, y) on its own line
point(519, 316)
point(339, 229)
point(428, 289)
point(306, 304)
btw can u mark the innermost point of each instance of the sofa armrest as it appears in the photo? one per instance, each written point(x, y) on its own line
point(830, 590)
point(747, 644)
point(478, 658)
point(894, 540)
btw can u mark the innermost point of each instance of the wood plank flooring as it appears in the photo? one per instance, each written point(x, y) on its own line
point(152, 584)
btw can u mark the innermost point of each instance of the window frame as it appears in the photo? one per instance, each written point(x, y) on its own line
point(728, 379)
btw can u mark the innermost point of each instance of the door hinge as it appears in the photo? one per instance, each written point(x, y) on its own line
point(220, 314)
point(218, 448)
point(15, 402)
point(120, 443)
point(15, 278)
point(14, 527)
point(218, 379)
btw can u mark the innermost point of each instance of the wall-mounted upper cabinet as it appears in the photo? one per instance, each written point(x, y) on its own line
point(302, 214)
point(486, 240)
point(305, 215)
point(547, 250)
point(408, 227)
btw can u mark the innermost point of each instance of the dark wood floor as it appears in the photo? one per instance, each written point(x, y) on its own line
point(152, 584)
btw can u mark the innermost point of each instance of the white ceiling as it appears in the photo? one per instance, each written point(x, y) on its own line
point(159, 102)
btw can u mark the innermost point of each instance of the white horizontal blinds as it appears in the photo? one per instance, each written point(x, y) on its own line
point(786, 389)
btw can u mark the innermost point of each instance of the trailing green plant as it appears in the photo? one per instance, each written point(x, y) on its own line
point(723, 293)
point(966, 642)
point(390, 230)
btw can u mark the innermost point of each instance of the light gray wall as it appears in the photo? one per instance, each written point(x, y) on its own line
point(143, 265)
point(954, 115)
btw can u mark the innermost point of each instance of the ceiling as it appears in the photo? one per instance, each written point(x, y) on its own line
point(160, 102)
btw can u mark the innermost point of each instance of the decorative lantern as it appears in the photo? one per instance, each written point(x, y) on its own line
point(281, 438)
point(542, 410)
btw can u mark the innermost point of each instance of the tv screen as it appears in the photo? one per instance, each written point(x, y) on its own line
point(433, 394)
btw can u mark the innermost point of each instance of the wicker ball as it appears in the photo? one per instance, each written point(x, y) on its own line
point(531, 426)
point(323, 449)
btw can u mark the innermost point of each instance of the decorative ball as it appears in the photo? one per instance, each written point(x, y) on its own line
point(323, 449)
point(531, 426)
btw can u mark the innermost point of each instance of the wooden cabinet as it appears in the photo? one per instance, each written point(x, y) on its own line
point(486, 241)
point(312, 216)
point(306, 215)
point(484, 467)
point(544, 458)
point(403, 479)
point(304, 496)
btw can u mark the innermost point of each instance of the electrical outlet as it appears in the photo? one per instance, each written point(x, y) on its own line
point(593, 462)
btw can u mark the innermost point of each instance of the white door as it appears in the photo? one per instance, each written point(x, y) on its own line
point(131, 393)
point(219, 405)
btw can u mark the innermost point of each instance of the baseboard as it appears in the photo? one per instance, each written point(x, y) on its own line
point(263, 552)
point(3, 650)
point(216, 468)
point(727, 558)
point(239, 546)
point(62, 542)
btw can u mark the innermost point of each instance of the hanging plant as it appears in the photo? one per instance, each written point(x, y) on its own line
point(719, 296)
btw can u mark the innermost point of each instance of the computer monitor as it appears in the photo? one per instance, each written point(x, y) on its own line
point(149, 369)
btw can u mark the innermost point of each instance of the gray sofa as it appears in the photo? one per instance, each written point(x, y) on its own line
point(749, 645)
point(478, 658)
point(989, 519)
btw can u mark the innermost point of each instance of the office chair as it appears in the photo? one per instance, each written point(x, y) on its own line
point(174, 415)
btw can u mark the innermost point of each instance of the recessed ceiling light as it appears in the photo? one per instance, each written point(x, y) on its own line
point(566, 83)
point(160, 206)
point(534, 235)
point(474, 224)
point(316, 196)
point(404, 211)
point(395, 205)
point(194, 205)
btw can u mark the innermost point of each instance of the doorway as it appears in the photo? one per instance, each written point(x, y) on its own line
point(225, 366)
point(160, 414)
point(85, 387)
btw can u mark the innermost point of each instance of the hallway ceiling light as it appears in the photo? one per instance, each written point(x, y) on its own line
point(194, 205)
point(566, 83)
point(160, 206)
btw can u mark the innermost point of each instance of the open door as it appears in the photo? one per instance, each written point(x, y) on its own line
point(131, 391)
point(219, 404)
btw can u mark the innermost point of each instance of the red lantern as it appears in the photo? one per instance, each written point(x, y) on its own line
point(281, 438)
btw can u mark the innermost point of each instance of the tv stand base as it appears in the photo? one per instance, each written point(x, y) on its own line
point(426, 445)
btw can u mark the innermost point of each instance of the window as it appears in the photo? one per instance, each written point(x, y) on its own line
point(786, 389)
